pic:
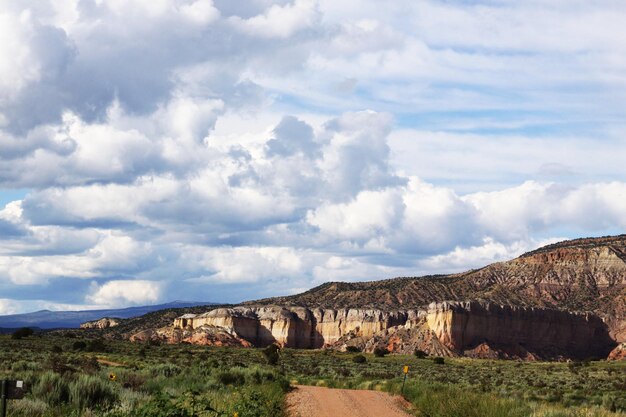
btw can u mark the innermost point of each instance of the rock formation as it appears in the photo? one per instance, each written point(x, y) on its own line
point(103, 323)
point(582, 275)
point(297, 327)
point(465, 326)
point(203, 335)
point(619, 353)
point(566, 300)
point(478, 329)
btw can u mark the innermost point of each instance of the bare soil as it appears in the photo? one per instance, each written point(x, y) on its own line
point(307, 401)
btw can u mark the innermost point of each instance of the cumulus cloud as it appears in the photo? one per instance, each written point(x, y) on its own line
point(280, 21)
point(117, 293)
point(9, 306)
point(277, 145)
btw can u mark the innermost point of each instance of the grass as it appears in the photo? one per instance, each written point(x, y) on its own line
point(187, 380)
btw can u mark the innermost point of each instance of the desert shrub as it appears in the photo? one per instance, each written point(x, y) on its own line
point(439, 360)
point(22, 366)
point(256, 404)
point(380, 352)
point(58, 363)
point(79, 345)
point(271, 354)
point(56, 349)
point(96, 345)
point(89, 391)
point(21, 333)
point(231, 378)
point(167, 370)
point(420, 354)
point(449, 401)
point(28, 408)
point(359, 359)
point(89, 364)
point(353, 349)
point(52, 388)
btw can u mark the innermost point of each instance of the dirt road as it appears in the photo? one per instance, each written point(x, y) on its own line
point(305, 401)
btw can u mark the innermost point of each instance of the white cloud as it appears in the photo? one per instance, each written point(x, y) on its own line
point(370, 214)
point(280, 21)
point(9, 306)
point(118, 293)
point(243, 264)
point(200, 11)
point(224, 143)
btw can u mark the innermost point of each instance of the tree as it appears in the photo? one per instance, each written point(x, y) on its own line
point(23, 332)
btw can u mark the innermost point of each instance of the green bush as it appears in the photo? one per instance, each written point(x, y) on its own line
point(96, 345)
point(439, 360)
point(23, 332)
point(255, 404)
point(79, 345)
point(231, 378)
point(380, 352)
point(359, 359)
point(52, 388)
point(159, 406)
point(271, 354)
point(89, 391)
point(420, 354)
point(167, 370)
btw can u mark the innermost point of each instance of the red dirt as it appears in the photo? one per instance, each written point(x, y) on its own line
point(307, 401)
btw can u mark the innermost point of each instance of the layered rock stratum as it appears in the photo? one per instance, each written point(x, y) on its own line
point(474, 328)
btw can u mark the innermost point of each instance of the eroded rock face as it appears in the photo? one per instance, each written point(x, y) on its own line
point(549, 333)
point(296, 326)
point(103, 323)
point(619, 353)
point(477, 329)
point(577, 275)
point(203, 335)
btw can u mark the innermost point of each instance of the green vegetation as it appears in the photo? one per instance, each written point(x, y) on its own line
point(463, 387)
point(121, 379)
point(23, 332)
point(99, 378)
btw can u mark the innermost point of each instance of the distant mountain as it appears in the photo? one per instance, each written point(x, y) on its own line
point(46, 319)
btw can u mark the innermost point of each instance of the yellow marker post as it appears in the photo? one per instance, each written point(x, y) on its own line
point(406, 372)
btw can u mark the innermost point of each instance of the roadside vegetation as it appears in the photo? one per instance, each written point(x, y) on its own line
point(72, 376)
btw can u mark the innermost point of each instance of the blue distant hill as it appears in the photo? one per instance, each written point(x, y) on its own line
point(46, 319)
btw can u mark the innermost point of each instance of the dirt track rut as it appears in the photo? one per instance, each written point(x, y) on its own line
point(306, 401)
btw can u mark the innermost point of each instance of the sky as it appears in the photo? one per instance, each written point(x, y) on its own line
point(211, 150)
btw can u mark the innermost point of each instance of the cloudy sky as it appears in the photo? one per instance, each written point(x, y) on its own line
point(219, 150)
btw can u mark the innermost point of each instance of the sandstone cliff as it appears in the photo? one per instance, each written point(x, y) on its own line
point(464, 326)
point(297, 327)
point(619, 353)
point(103, 323)
point(474, 328)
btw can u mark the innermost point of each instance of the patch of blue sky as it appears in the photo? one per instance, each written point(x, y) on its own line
point(9, 195)
point(499, 122)
point(575, 232)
